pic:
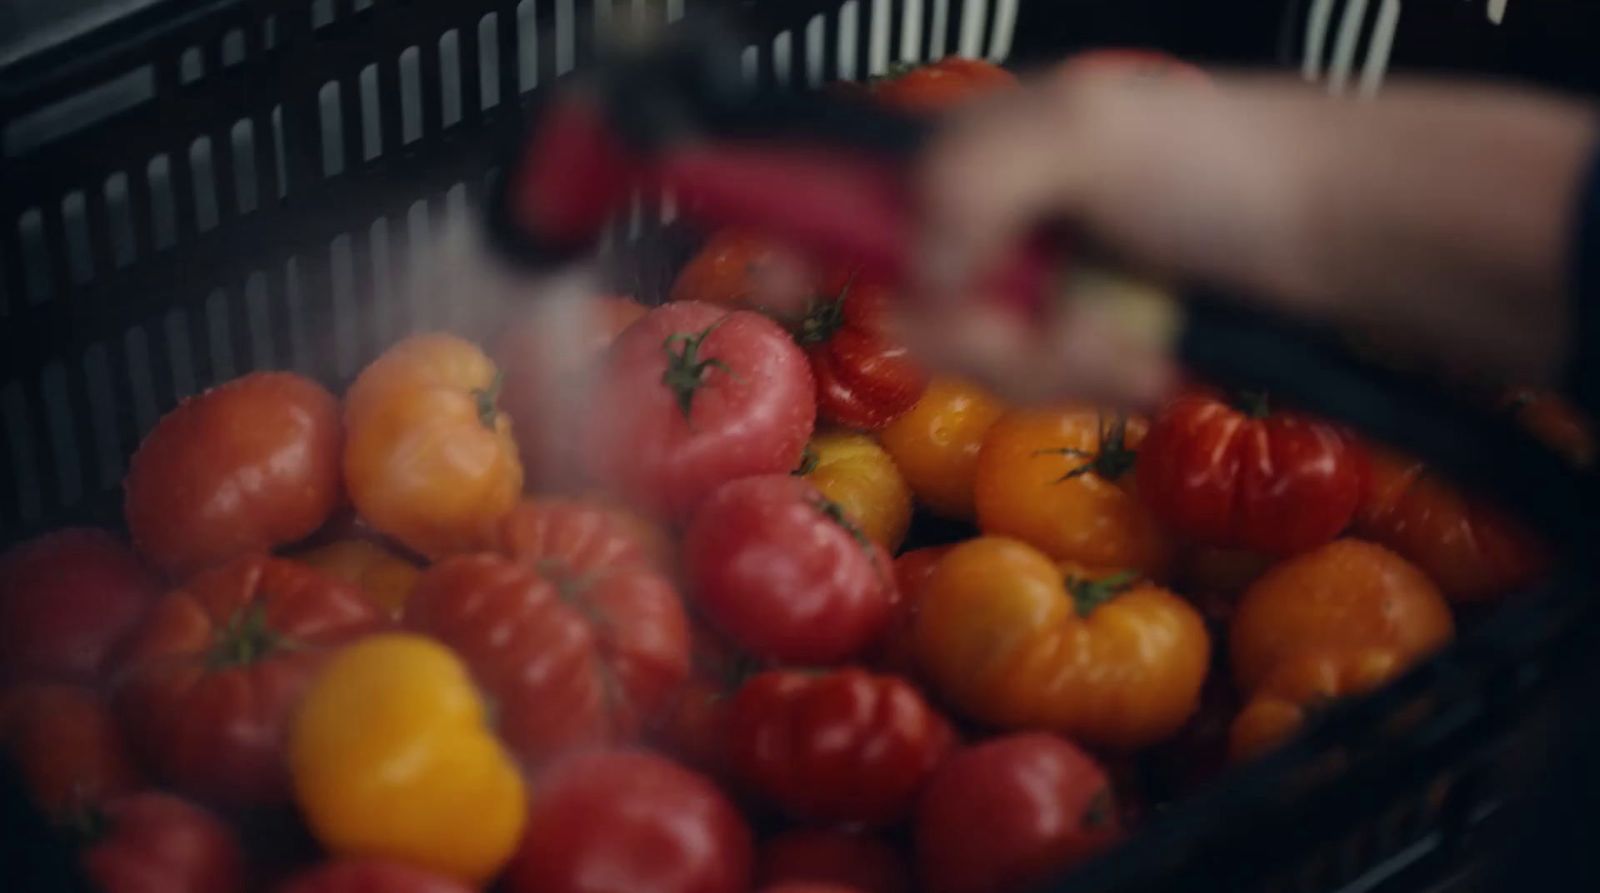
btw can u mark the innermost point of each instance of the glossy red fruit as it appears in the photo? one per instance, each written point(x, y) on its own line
point(246, 466)
point(621, 821)
point(785, 575)
point(67, 600)
point(67, 747)
point(845, 746)
point(1249, 477)
point(692, 396)
point(1009, 813)
point(833, 858)
point(865, 378)
point(156, 843)
point(371, 876)
point(569, 661)
point(217, 668)
point(941, 85)
point(912, 571)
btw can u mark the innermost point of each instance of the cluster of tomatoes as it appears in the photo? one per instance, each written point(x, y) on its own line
point(698, 657)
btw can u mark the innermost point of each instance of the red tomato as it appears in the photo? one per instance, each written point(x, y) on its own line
point(371, 876)
point(67, 747)
point(573, 537)
point(865, 379)
point(912, 571)
point(845, 746)
point(1270, 481)
point(243, 467)
point(547, 354)
point(940, 85)
point(569, 661)
point(809, 887)
point(618, 821)
point(157, 843)
point(220, 663)
point(782, 572)
point(693, 396)
point(1010, 812)
point(744, 270)
point(67, 599)
point(694, 729)
point(832, 858)
point(1133, 64)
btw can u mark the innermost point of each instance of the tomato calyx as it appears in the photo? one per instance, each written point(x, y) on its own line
point(826, 318)
point(1087, 595)
point(1110, 461)
point(1253, 404)
point(487, 398)
point(244, 639)
point(686, 370)
point(835, 512)
point(808, 462)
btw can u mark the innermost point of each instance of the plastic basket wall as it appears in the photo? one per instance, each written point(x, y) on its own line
point(211, 187)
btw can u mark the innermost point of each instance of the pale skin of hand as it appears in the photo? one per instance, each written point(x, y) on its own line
point(1439, 217)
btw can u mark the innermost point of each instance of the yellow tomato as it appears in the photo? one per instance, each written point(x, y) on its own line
point(392, 757)
point(935, 445)
point(386, 578)
point(853, 471)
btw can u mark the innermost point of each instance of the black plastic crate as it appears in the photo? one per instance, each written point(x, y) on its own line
point(213, 186)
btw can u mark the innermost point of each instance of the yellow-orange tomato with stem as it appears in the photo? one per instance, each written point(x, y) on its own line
point(1001, 634)
point(1060, 479)
point(936, 444)
point(1302, 685)
point(853, 471)
point(1343, 596)
point(383, 575)
point(429, 458)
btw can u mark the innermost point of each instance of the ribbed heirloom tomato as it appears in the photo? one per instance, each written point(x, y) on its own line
point(212, 676)
point(865, 378)
point(936, 444)
point(785, 574)
point(941, 85)
point(1008, 640)
point(692, 396)
point(1343, 596)
point(1062, 480)
point(570, 659)
point(846, 746)
point(241, 468)
point(854, 472)
point(429, 458)
point(574, 537)
point(1254, 477)
point(386, 577)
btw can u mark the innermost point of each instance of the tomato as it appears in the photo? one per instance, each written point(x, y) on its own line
point(912, 571)
point(1343, 596)
point(1470, 549)
point(692, 396)
point(219, 664)
point(371, 876)
point(936, 444)
point(1060, 480)
point(694, 729)
point(393, 758)
point(1267, 480)
point(865, 378)
point(67, 600)
point(837, 858)
point(156, 843)
point(386, 577)
point(430, 460)
point(938, 86)
point(573, 537)
point(549, 352)
point(854, 472)
point(66, 746)
point(738, 269)
point(845, 746)
point(243, 467)
point(1010, 812)
point(1109, 662)
point(785, 574)
point(619, 821)
point(1559, 424)
point(1133, 64)
point(569, 659)
point(1301, 685)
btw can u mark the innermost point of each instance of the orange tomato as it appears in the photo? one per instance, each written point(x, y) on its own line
point(1471, 550)
point(1060, 479)
point(384, 576)
point(1003, 636)
point(938, 86)
point(936, 444)
point(1299, 687)
point(1343, 596)
point(853, 471)
point(429, 458)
